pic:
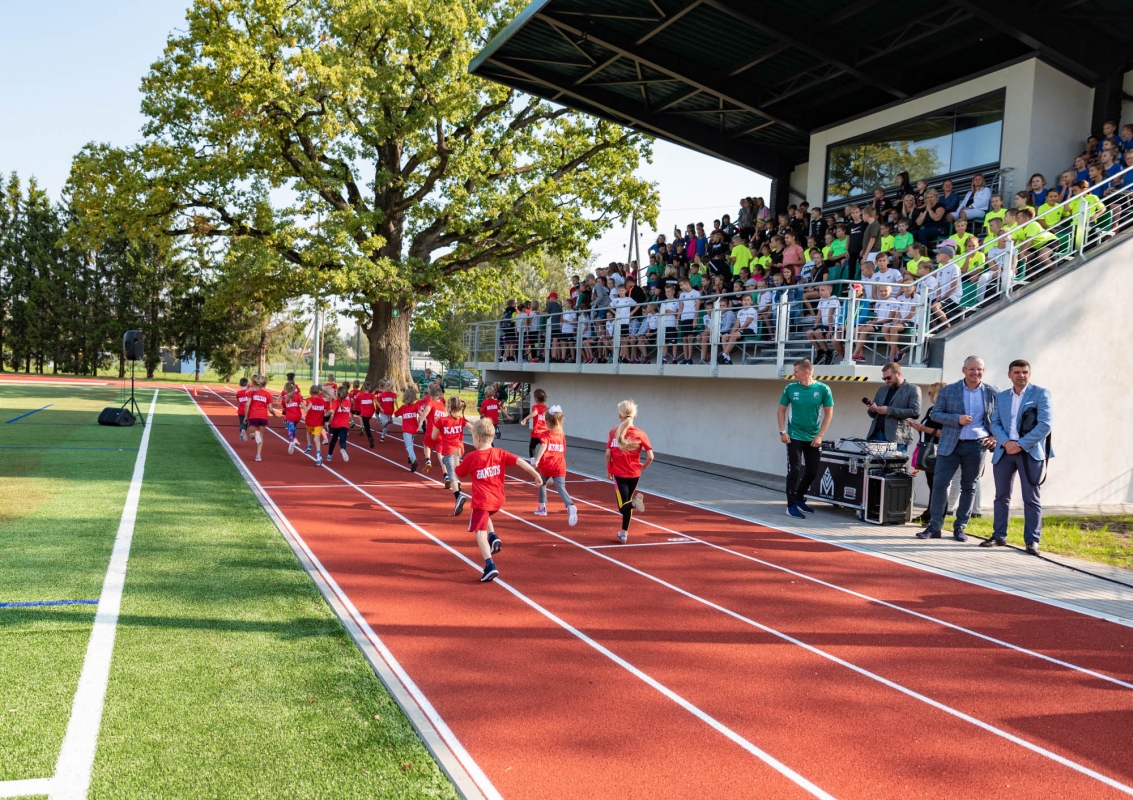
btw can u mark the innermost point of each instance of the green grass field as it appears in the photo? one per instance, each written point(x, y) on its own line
point(231, 677)
point(1105, 539)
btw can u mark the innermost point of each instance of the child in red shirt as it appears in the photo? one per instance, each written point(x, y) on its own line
point(623, 463)
point(364, 407)
point(490, 408)
point(314, 409)
point(339, 422)
point(485, 466)
point(241, 407)
point(550, 461)
point(429, 413)
point(385, 400)
point(259, 404)
point(407, 414)
point(538, 420)
point(354, 392)
point(291, 401)
point(448, 439)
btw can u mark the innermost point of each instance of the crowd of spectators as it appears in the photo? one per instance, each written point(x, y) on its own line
point(951, 244)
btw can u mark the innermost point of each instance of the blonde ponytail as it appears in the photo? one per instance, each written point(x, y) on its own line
point(628, 410)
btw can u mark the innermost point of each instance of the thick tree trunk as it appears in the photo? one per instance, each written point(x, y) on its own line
point(389, 342)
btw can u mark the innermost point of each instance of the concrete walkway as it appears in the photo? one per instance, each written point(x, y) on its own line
point(759, 497)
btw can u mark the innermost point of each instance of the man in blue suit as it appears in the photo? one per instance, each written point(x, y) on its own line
point(965, 410)
point(1021, 425)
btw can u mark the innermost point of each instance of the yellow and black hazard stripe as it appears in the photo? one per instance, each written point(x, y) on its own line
point(853, 378)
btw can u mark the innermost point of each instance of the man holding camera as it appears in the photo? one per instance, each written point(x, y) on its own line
point(896, 403)
point(965, 409)
point(1021, 425)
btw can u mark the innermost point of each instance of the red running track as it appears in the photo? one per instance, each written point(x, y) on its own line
point(742, 661)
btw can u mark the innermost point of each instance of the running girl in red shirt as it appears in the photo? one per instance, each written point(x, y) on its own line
point(490, 408)
point(623, 463)
point(259, 406)
point(314, 408)
point(385, 400)
point(429, 412)
point(241, 407)
point(448, 438)
point(538, 420)
point(364, 407)
point(339, 422)
point(291, 401)
point(550, 461)
point(407, 413)
point(354, 413)
point(485, 466)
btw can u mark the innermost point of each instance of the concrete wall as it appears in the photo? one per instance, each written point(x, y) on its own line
point(1045, 115)
point(1126, 105)
point(799, 178)
point(1075, 333)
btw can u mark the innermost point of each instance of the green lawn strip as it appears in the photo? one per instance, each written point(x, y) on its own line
point(59, 513)
point(1105, 539)
point(231, 676)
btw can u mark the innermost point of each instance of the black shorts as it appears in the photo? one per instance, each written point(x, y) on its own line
point(625, 330)
point(508, 336)
point(821, 327)
point(688, 328)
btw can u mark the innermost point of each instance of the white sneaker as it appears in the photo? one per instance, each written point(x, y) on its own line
point(623, 537)
point(243, 436)
point(639, 503)
point(344, 456)
point(540, 512)
point(572, 516)
point(291, 447)
point(258, 458)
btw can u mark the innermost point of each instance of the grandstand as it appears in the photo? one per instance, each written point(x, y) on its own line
point(940, 92)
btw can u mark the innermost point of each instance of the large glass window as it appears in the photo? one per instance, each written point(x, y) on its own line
point(952, 140)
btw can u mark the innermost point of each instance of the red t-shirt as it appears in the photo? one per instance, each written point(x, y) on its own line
point(386, 402)
point(292, 410)
point(490, 408)
point(241, 401)
point(332, 386)
point(258, 402)
point(364, 404)
point(539, 421)
point(627, 464)
point(487, 470)
point(408, 416)
point(552, 464)
point(435, 414)
point(450, 436)
point(317, 404)
point(340, 413)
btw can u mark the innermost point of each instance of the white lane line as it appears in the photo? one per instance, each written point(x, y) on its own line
point(456, 762)
point(642, 544)
point(1066, 762)
point(25, 788)
point(712, 722)
point(76, 757)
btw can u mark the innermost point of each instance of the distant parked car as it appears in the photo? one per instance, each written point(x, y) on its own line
point(418, 376)
point(460, 379)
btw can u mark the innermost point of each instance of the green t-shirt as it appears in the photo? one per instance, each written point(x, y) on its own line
point(886, 243)
point(806, 404)
point(694, 280)
point(826, 251)
point(902, 241)
point(837, 250)
point(1001, 213)
point(1050, 215)
point(742, 254)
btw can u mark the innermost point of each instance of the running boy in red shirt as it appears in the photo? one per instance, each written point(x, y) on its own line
point(429, 412)
point(490, 408)
point(623, 463)
point(485, 466)
point(291, 401)
point(314, 408)
point(241, 407)
point(385, 400)
point(258, 407)
point(538, 420)
point(364, 407)
point(339, 422)
point(407, 414)
point(550, 461)
point(448, 438)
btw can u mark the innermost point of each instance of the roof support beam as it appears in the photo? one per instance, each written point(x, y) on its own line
point(668, 21)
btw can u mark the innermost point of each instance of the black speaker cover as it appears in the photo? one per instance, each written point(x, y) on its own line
point(116, 416)
point(132, 344)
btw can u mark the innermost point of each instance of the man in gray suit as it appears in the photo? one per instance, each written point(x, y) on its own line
point(1021, 424)
point(965, 409)
point(896, 403)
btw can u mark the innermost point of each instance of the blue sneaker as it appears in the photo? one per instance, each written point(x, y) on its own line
point(801, 506)
point(328, 458)
point(793, 511)
point(308, 450)
point(490, 574)
point(494, 543)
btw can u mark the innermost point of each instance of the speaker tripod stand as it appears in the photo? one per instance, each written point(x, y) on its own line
point(131, 405)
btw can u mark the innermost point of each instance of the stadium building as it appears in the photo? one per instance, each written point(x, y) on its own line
point(830, 99)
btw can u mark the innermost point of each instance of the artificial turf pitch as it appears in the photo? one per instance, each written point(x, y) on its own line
point(230, 676)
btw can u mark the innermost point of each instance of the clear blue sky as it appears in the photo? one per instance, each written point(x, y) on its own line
point(72, 71)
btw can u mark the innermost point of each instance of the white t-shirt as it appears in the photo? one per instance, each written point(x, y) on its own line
point(888, 276)
point(569, 320)
point(688, 304)
point(651, 321)
point(670, 308)
point(622, 305)
point(828, 311)
point(766, 301)
point(610, 327)
point(618, 281)
point(906, 310)
point(886, 311)
point(748, 316)
point(948, 279)
point(928, 284)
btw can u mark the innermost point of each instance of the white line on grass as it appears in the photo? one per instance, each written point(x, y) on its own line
point(466, 775)
point(76, 757)
point(25, 788)
point(711, 721)
point(1066, 762)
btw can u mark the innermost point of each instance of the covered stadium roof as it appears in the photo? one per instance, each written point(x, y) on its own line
point(748, 81)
